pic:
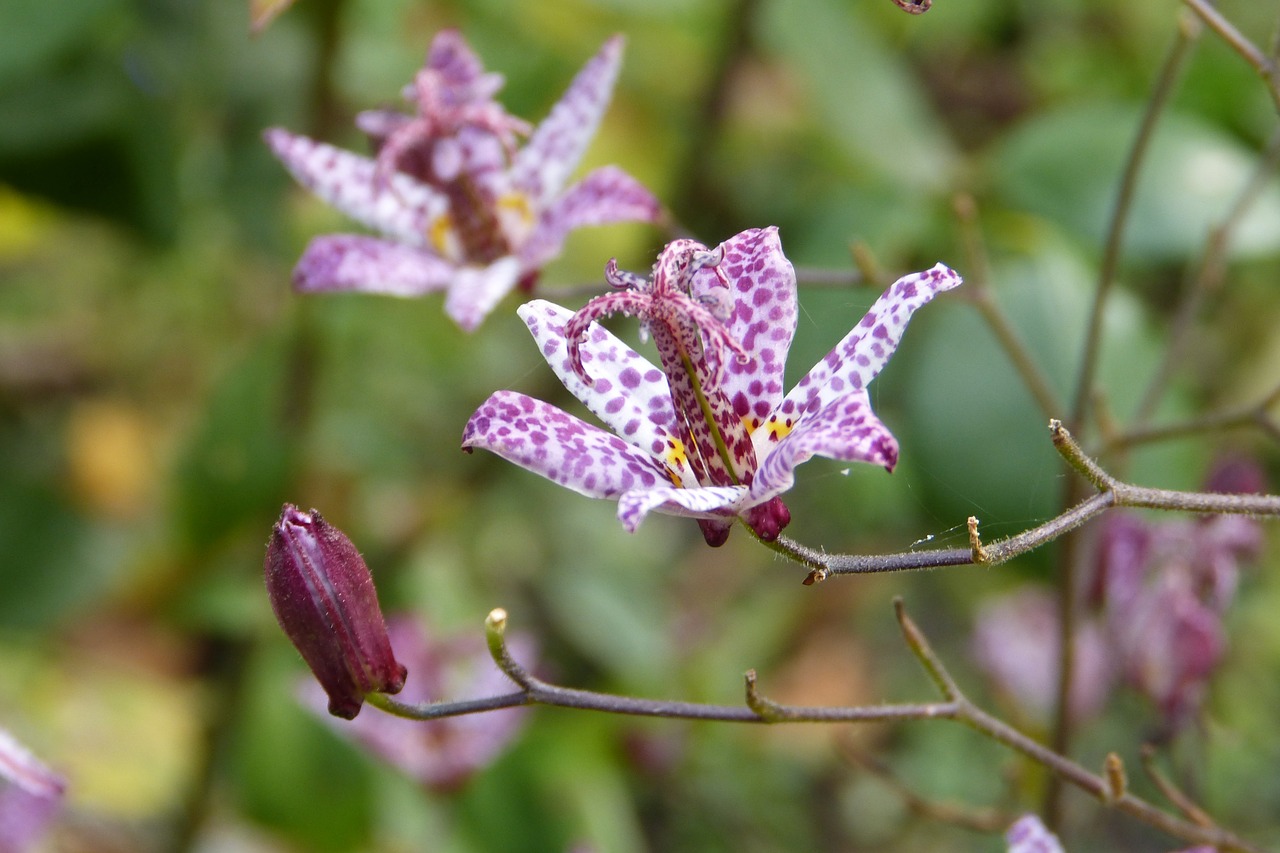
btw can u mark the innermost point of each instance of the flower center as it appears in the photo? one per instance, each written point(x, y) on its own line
point(683, 305)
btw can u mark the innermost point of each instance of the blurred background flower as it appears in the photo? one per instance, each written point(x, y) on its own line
point(162, 393)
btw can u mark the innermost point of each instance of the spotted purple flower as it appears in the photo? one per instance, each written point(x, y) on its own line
point(1164, 587)
point(461, 206)
point(709, 434)
point(1016, 642)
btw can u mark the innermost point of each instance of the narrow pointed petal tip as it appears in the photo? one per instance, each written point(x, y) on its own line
point(324, 599)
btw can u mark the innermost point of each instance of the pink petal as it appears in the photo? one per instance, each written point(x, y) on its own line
point(858, 358)
point(606, 195)
point(701, 502)
point(846, 429)
point(369, 265)
point(402, 208)
point(763, 293)
point(560, 447)
point(627, 393)
point(460, 68)
point(543, 165)
point(476, 290)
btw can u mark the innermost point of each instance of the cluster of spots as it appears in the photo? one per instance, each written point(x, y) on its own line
point(565, 449)
point(713, 424)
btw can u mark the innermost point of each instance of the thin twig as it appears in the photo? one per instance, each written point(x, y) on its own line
point(972, 818)
point(1111, 492)
point(1207, 280)
point(1261, 63)
point(978, 291)
point(1172, 792)
point(759, 709)
point(1169, 72)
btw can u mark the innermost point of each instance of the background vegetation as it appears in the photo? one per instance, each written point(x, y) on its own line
point(162, 392)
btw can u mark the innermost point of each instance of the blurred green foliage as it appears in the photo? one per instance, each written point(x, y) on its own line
point(162, 392)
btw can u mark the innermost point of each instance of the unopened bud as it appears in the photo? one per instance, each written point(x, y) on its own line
point(323, 596)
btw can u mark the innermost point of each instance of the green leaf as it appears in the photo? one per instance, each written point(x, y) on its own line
point(1066, 167)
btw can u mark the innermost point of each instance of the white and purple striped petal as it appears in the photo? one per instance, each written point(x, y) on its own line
point(858, 358)
point(399, 207)
point(564, 449)
point(542, 167)
point(606, 195)
point(339, 262)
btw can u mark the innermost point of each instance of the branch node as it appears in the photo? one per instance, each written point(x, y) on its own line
point(815, 576)
point(495, 627)
point(1117, 782)
point(924, 653)
point(767, 710)
point(1070, 451)
point(980, 554)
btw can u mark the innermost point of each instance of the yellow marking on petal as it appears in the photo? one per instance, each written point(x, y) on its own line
point(677, 457)
point(515, 217)
point(444, 238)
point(778, 429)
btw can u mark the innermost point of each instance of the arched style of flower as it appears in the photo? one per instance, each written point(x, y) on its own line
point(709, 434)
point(460, 205)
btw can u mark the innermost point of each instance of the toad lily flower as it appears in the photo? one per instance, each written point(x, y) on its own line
point(709, 435)
point(461, 206)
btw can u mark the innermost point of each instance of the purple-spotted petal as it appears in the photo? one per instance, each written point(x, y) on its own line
point(606, 195)
point(702, 502)
point(763, 298)
point(476, 290)
point(369, 265)
point(846, 430)
point(543, 439)
point(859, 357)
point(627, 392)
point(460, 69)
point(399, 207)
point(543, 166)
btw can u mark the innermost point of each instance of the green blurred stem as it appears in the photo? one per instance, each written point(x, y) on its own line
point(980, 294)
point(1263, 64)
point(1208, 280)
point(759, 709)
point(1169, 72)
point(1257, 415)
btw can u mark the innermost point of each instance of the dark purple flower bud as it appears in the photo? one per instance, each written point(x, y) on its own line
point(441, 754)
point(323, 596)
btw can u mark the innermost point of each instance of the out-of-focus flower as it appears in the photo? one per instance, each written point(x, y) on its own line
point(1163, 588)
point(323, 596)
point(1016, 642)
point(441, 754)
point(263, 12)
point(30, 796)
point(1029, 835)
point(709, 435)
point(463, 208)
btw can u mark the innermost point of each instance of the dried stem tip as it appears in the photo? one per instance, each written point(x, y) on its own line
point(323, 596)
